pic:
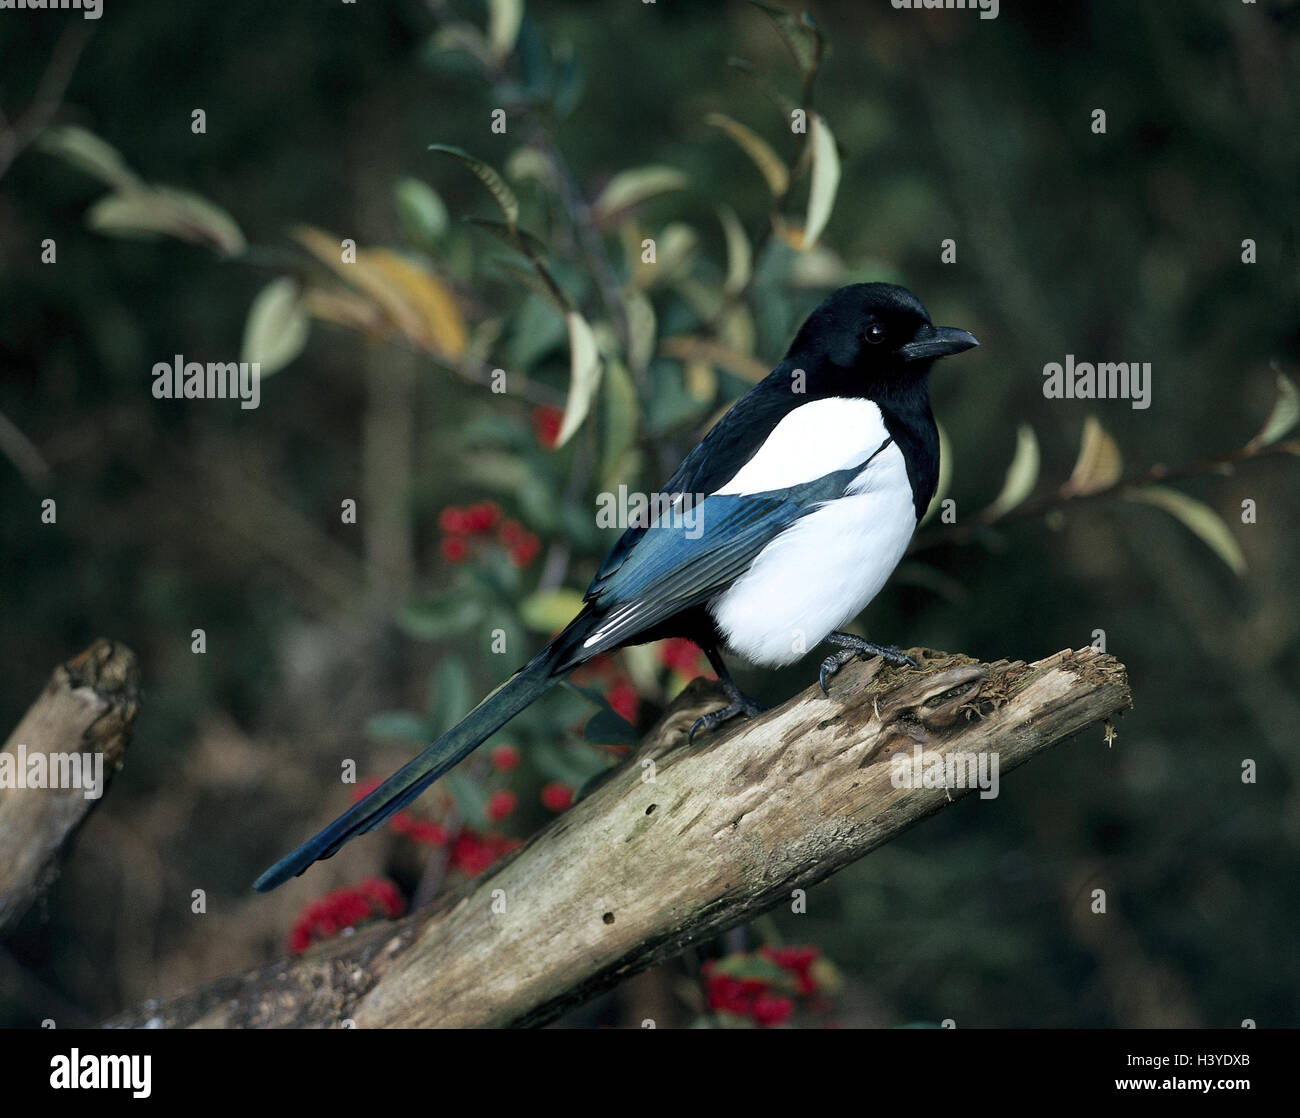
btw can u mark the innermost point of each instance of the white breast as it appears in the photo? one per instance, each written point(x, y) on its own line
point(815, 439)
point(822, 571)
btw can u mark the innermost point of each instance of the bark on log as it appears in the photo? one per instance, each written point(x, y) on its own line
point(640, 868)
point(87, 708)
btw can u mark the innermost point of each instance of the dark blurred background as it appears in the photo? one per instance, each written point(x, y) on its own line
point(174, 516)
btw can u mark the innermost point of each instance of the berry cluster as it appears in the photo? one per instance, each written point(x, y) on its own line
point(463, 528)
point(747, 986)
point(348, 907)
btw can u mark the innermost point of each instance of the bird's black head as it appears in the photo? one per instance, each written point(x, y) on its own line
point(872, 339)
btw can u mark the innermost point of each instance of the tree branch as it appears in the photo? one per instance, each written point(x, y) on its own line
point(641, 868)
point(86, 709)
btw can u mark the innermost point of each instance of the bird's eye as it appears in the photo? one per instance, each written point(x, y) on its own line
point(875, 333)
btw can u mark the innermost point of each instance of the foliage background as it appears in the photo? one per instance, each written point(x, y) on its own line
point(175, 516)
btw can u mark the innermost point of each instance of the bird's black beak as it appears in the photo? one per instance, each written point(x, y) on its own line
point(937, 341)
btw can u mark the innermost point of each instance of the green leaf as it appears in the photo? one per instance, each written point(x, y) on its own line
point(504, 18)
point(593, 695)
point(1198, 518)
point(584, 376)
point(825, 181)
point(605, 727)
point(801, 36)
point(773, 168)
point(516, 238)
point(548, 611)
point(451, 696)
point(642, 328)
point(1022, 474)
point(629, 188)
point(538, 332)
point(88, 153)
point(740, 261)
point(461, 36)
point(1282, 416)
point(470, 796)
point(504, 196)
point(622, 412)
point(421, 212)
point(277, 326)
point(439, 618)
point(404, 725)
point(164, 211)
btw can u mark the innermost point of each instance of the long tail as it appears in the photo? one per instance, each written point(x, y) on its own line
point(524, 687)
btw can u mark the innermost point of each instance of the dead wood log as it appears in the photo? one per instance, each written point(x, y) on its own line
point(75, 731)
point(678, 844)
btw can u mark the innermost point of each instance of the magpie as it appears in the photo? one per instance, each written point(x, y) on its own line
point(806, 494)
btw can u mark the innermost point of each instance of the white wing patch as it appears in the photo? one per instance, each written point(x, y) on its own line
point(815, 439)
point(822, 571)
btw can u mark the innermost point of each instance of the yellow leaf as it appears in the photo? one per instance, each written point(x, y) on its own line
point(548, 611)
point(628, 188)
point(428, 295)
point(415, 302)
point(343, 308)
point(759, 151)
point(739, 258)
point(1100, 463)
point(701, 381)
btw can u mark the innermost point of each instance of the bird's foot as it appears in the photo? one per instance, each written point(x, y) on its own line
point(717, 717)
point(850, 647)
point(740, 704)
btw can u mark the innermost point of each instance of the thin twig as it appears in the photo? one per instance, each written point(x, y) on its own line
point(15, 138)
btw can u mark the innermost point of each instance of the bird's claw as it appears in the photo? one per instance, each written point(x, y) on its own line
point(832, 664)
point(716, 718)
point(836, 660)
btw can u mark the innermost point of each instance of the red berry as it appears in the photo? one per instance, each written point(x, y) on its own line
point(484, 516)
point(428, 833)
point(557, 796)
point(772, 1009)
point(525, 550)
point(500, 804)
point(454, 549)
point(505, 758)
point(546, 424)
point(452, 521)
point(624, 699)
point(680, 655)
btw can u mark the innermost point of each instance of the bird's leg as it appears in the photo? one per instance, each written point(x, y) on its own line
point(740, 702)
point(851, 646)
